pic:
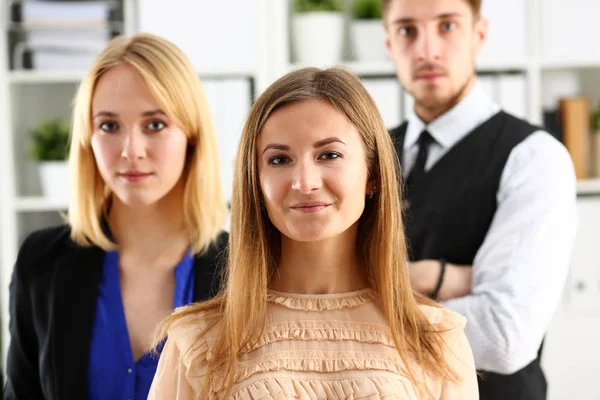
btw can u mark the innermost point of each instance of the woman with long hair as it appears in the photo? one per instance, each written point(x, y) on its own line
point(317, 301)
point(144, 232)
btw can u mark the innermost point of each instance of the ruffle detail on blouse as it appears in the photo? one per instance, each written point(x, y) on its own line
point(293, 388)
point(319, 361)
point(321, 302)
point(324, 331)
point(358, 388)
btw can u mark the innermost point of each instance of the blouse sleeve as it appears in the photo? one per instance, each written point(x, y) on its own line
point(170, 380)
point(462, 365)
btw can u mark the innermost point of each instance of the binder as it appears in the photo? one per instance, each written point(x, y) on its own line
point(575, 121)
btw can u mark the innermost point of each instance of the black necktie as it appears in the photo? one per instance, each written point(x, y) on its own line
point(418, 170)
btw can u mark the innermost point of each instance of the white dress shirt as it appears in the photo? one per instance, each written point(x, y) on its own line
point(519, 272)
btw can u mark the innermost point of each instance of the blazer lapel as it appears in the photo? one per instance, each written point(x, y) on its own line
point(207, 278)
point(78, 273)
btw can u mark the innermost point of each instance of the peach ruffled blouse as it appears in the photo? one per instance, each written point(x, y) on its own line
point(334, 346)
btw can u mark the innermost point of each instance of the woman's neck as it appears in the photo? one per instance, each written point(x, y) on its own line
point(152, 233)
point(322, 267)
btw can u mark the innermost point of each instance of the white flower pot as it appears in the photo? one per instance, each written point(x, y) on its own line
point(368, 40)
point(54, 178)
point(318, 38)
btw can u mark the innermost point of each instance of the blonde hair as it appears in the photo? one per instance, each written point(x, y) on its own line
point(254, 243)
point(174, 83)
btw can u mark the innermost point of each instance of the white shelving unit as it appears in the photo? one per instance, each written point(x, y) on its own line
point(517, 45)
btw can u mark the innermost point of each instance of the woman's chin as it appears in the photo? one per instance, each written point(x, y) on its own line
point(310, 235)
point(137, 200)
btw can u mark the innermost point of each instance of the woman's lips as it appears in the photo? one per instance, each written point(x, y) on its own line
point(310, 207)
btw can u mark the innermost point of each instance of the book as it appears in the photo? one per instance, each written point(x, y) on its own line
point(574, 117)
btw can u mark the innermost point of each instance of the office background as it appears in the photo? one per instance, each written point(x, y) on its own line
point(541, 62)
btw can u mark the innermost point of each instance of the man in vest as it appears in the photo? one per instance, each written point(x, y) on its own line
point(490, 199)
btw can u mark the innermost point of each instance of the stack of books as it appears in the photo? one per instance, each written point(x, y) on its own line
point(63, 35)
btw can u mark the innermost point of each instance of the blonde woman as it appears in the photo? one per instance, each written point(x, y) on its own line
point(317, 302)
point(144, 232)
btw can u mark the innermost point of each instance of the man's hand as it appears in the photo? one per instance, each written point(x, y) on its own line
point(424, 276)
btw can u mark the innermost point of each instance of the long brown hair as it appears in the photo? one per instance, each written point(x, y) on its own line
point(241, 306)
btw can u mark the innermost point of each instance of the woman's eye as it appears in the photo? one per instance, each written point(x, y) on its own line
point(278, 160)
point(330, 155)
point(156, 126)
point(109, 126)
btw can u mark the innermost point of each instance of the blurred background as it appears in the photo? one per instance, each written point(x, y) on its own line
point(541, 62)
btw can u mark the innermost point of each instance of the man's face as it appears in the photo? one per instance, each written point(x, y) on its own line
point(433, 44)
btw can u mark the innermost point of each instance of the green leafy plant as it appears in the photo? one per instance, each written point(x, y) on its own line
point(367, 9)
point(50, 141)
point(302, 6)
point(595, 123)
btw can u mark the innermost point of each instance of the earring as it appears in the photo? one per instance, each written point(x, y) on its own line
point(372, 192)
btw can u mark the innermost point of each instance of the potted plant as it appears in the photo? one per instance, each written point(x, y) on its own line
point(367, 31)
point(595, 130)
point(49, 147)
point(318, 31)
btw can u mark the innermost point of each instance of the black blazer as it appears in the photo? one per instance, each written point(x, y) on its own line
point(53, 295)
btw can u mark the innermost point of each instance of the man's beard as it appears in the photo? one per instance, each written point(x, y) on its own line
point(445, 103)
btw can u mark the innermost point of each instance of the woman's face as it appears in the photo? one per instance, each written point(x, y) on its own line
point(313, 171)
point(140, 152)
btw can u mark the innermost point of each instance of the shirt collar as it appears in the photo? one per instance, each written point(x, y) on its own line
point(450, 127)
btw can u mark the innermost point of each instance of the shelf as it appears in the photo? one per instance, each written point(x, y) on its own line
point(49, 76)
point(569, 64)
point(387, 68)
point(38, 203)
point(52, 76)
point(502, 66)
point(588, 187)
point(363, 68)
point(371, 68)
point(216, 73)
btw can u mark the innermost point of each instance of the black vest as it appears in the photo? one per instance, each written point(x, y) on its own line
point(448, 214)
